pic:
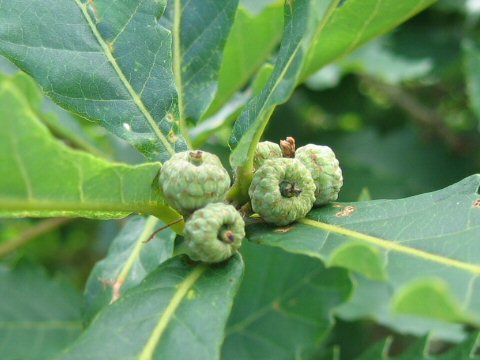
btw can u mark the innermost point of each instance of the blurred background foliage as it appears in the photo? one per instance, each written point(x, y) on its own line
point(402, 114)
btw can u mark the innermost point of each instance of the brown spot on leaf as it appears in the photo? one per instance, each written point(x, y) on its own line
point(337, 206)
point(169, 117)
point(276, 306)
point(476, 204)
point(106, 282)
point(347, 211)
point(93, 9)
point(283, 230)
point(172, 137)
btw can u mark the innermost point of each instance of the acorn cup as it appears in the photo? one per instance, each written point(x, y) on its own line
point(325, 170)
point(192, 179)
point(265, 150)
point(282, 191)
point(214, 233)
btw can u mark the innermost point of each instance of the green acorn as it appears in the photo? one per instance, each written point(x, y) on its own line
point(214, 233)
point(191, 179)
point(282, 191)
point(265, 150)
point(325, 170)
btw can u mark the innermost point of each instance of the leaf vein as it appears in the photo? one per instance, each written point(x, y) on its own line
point(136, 98)
point(120, 32)
point(360, 34)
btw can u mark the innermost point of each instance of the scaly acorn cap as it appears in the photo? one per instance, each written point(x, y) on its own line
point(282, 191)
point(191, 179)
point(214, 233)
point(265, 150)
point(326, 172)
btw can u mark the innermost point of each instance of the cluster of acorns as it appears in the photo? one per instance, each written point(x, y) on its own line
point(285, 186)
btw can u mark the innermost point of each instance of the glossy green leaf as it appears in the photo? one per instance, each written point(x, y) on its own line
point(283, 309)
point(426, 243)
point(59, 122)
point(200, 29)
point(106, 61)
point(131, 256)
point(38, 316)
point(356, 22)
point(178, 312)
point(471, 51)
point(303, 19)
point(43, 177)
point(242, 56)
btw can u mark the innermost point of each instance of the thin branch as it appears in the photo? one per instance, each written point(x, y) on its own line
point(163, 228)
point(32, 234)
point(422, 114)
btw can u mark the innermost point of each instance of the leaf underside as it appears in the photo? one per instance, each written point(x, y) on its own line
point(425, 246)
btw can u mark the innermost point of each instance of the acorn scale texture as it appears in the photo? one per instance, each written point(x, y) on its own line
point(326, 172)
point(266, 150)
point(214, 233)
point(191, 179)
point(282, 191)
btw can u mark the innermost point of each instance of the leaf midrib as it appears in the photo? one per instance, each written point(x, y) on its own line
point(167, 315)
point(141, 241)
point(136, 98)
point(34, 204)
point(177, 57)
point(393, 246)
